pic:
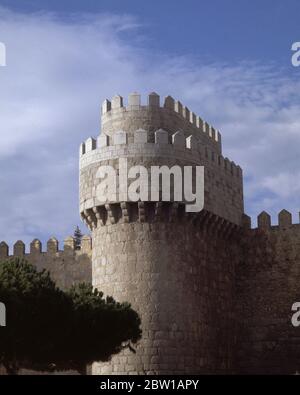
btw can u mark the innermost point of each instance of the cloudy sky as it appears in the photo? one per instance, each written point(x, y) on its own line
point(229, 63)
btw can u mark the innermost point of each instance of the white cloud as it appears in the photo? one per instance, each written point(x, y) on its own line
point(283, 184)
point(58, 72)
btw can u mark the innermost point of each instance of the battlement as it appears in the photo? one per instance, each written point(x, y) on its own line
point(153, 135)
point(284, 221)
point(175, 144)
point(172, 116)
point(66, 267)
point(35, 247)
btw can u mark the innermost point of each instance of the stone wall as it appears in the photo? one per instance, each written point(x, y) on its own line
point(141, 144)
point(268, 283)
point(172, 116)
point(66, 267)
point(176, 268)
point(214, 295)
point(178, 273)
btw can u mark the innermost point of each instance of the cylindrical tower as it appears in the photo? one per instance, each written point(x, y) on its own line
point(175, 268)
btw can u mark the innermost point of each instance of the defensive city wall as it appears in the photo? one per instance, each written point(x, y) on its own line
point(214, 293)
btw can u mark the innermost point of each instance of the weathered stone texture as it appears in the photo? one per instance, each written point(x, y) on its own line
point(214, 295)
point(180, 279)
point(176, 269)
point(66, 267)
point(268, 283)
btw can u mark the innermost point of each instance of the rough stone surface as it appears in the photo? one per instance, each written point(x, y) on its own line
point(176, 269)
point(213, 294)
point(268, 283)
point(184, 295)
point(66, 267)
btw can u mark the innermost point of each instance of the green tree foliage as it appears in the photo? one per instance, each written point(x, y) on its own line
point(77, 236)
point(48, 329)
point(102, 320)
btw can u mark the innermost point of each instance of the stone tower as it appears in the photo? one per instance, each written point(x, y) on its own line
point(177, 269)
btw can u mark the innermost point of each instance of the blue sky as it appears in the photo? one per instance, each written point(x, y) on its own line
point(227, 30)
point(228, 61)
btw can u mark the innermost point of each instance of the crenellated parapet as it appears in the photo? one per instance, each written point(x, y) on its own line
point(168, 262)
point(176, 266)
point(264, 221)
point(151, 116)
point(152, 135)
point(174, 145)
point(36, 247)
point(67, 266)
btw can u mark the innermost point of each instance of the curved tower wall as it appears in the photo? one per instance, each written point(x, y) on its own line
point(176, 268)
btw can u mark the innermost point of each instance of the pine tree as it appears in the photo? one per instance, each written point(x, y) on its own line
point(51, 330)
point(77, 237)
